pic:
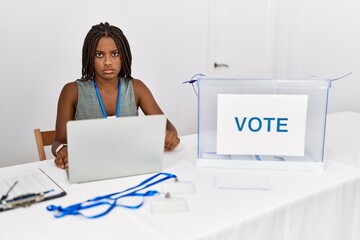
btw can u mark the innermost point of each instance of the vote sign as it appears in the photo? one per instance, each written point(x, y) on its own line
point(261, 124)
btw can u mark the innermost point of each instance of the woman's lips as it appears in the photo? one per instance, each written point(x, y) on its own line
point(108, 71)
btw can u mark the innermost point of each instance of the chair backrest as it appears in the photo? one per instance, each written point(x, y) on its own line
point(43, 138)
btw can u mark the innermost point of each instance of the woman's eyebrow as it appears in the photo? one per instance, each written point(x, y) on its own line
point(115, 50)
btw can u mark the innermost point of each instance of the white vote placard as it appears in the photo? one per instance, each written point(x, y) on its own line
point(261, 124)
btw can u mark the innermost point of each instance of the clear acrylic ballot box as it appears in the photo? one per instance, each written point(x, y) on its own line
point(262, 122)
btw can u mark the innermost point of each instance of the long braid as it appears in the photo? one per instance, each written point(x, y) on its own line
point(89, 48)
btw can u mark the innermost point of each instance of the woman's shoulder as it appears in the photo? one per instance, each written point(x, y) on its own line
point(68, 95)
point(70, 86)
point(142, 92)
point(138, 84)
point(70, 89)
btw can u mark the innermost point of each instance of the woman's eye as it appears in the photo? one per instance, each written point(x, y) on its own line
point(99, 55)
point(115, 54)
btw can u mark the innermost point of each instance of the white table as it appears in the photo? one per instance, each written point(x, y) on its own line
point(300, 205)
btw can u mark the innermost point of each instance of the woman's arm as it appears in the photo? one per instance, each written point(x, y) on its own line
point(147, 103)
point(65, 112)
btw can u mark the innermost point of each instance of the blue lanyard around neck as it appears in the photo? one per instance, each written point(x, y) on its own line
point(110, 201)
point(101, 102)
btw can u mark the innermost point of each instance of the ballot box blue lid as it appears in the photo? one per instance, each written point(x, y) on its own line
point(266, 122)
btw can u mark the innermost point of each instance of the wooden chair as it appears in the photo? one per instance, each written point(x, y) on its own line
point(43, 138)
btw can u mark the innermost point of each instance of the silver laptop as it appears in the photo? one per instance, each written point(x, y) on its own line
point(115, 147)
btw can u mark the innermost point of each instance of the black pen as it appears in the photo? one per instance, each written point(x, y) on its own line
point(4, 197)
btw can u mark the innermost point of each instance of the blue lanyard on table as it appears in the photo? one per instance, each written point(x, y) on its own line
point(101, 102)
point(110, 201)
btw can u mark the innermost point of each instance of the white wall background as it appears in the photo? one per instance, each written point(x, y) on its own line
point(40, 48)
point(290, 37)
point(41, 43)
point(322, 38)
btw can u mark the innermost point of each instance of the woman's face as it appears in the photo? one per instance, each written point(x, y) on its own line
point(107, 63)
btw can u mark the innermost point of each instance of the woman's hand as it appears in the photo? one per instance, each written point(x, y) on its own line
point(61, 159)
point(171, 140)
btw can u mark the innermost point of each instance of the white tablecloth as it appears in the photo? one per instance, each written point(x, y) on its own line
point(343, 138)
point(306, 205)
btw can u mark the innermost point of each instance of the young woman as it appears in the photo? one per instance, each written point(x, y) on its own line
point(106, 88)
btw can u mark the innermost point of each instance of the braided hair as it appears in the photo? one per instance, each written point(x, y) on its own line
point(91, 42)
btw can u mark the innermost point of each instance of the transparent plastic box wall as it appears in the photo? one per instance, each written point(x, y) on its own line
point(315, 89)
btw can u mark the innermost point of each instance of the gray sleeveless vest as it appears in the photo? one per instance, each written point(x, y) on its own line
point(88, 106)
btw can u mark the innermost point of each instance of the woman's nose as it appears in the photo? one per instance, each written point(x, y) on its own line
point(108, 60)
